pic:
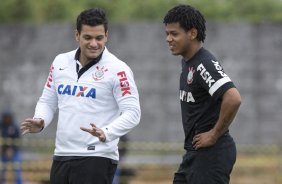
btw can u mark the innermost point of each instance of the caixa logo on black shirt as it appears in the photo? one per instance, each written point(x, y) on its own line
point(186, 96)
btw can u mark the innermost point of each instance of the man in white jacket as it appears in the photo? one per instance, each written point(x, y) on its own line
point(98, 102)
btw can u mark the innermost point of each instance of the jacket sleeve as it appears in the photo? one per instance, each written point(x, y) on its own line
point(48, 102)
point(127, 98)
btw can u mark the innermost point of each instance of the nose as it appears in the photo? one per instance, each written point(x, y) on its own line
point(93, 43)
point(168, 38)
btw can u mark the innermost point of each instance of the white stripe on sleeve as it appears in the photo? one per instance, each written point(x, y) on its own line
point(218, 84)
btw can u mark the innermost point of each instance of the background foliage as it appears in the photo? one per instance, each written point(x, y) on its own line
point(41, 11)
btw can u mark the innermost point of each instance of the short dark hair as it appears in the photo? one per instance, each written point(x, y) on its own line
point(92, 17)
point(188, 17)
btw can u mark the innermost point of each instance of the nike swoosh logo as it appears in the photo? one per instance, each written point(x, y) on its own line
point(62, 68)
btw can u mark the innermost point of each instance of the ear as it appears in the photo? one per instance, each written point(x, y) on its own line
point(106, 36)
point(193, 34)
point(76, 35)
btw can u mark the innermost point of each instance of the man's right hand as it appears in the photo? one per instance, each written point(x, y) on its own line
point(32, 125)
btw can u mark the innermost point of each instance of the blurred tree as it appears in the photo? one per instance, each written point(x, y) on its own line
point(55, 10)
point(15, 10)
point(37, 11)
point(258, 11)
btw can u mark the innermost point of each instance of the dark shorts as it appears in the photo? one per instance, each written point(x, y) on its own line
point(211, 165)
point(88, 170)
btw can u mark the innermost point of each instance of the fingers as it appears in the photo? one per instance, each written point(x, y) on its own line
point(26, 126)
point(86, 130)
point(94, 130)
point(91, 131)
point(97, 132)
point(25, 132)
point(93, 125)
point(31, 125)
point(203, 140)
point(197, 141)
point(29, 120)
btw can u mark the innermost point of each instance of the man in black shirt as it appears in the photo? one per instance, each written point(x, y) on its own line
point(209, 102)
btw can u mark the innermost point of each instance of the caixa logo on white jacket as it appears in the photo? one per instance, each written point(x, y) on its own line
point(78, 91)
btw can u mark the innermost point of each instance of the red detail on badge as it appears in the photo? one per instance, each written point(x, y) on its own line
point(99, 74)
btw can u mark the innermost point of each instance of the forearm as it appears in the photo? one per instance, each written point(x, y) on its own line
point(46, 107)
point(44, 112)
point(230, 104)
point(123, 124)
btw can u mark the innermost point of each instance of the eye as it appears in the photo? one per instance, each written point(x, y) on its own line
point(174, 33)
point(87, 37)
point(99, 38)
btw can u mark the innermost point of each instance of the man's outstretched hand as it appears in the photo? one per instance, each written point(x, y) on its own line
point(32, 125)
point(95, 131)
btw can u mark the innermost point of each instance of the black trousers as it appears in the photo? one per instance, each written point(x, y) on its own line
point(211, 165)
point(88, 170)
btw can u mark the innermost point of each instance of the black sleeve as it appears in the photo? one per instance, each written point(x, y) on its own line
point(219, 93)
point(212, 78)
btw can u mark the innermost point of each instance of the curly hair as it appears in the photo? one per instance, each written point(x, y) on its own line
point(92, 17)
point(188, 18)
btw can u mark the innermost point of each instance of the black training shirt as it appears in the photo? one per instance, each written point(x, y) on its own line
point(202, 84)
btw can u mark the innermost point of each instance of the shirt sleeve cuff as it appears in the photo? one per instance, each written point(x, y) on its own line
point(109, 136)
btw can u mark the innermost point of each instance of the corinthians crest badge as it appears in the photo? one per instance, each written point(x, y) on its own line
point(190, 75)
point(99, 74)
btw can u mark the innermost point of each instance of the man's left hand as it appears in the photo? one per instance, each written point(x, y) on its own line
point(95, 131)
point(204, 140)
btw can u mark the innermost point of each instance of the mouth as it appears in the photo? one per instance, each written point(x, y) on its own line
point(171, 47)
point(93, 50)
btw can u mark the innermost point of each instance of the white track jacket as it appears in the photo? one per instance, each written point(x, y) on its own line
point(105, 95)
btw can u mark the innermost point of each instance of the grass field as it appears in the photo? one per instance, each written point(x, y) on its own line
point(249, 169)
point(254, 165)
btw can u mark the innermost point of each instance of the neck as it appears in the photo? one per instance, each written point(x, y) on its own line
point(83, 60)
point(194, 48)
